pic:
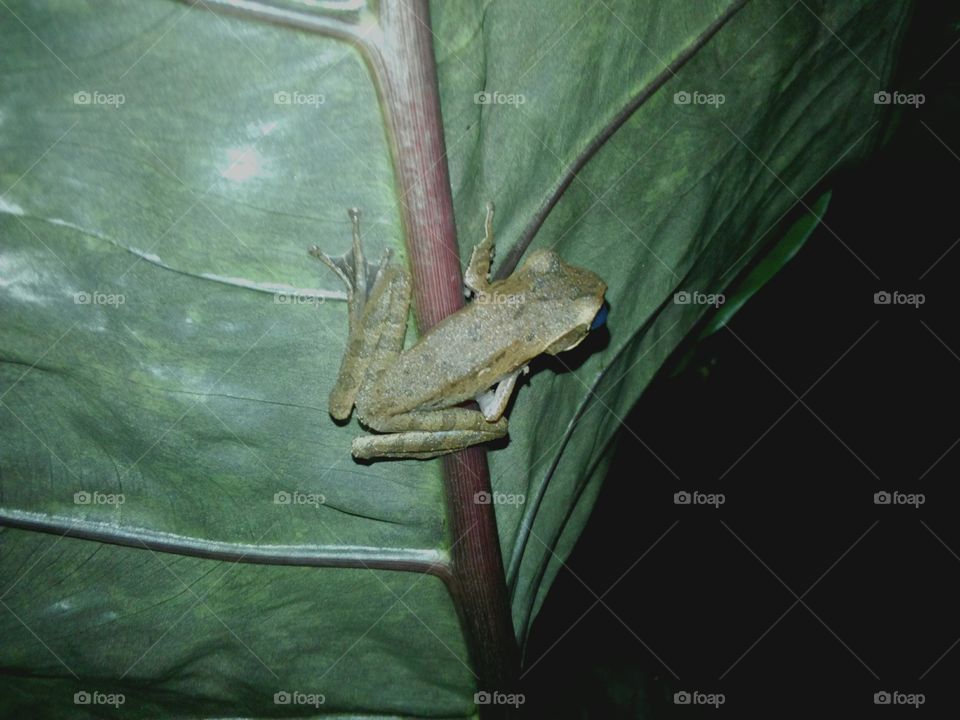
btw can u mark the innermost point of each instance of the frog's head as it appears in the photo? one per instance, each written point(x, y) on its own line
point(573, 295)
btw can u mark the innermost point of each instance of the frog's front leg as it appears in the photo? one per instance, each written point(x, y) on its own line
point(494, 402)
point(377, 313)
point(427, 433)
point(476, 275)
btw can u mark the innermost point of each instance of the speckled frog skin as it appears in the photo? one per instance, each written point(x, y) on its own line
point(411, 396)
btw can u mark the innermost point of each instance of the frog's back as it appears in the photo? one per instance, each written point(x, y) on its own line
point(460, 357)
point(546, 306)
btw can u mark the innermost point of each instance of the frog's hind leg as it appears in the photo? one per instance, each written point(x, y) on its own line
point(378, 314)
point(476, 275)
point(428, 433)
point(377, 340)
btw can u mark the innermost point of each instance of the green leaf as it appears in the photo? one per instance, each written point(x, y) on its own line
point(768, 266)
point(677, 200)
point(744, 288)
point(165, 337)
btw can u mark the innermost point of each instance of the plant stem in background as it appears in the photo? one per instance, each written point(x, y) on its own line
point(412, 106)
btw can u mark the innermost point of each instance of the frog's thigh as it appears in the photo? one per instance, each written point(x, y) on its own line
point(425, 434)
point(379, 334)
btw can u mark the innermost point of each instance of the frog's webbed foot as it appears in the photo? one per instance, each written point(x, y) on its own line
point(476, 277)
point(353, 269)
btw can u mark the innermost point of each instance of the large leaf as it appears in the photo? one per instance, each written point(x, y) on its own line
point(190, 388)
point(680, 199)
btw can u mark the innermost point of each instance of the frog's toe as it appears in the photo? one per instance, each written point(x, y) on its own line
point(342, 265)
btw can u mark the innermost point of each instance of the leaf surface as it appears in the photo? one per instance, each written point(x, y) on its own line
point(164, 336)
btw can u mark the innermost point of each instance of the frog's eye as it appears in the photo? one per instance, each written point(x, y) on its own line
point(601, 317)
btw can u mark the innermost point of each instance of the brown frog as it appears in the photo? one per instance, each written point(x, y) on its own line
point(412, 395)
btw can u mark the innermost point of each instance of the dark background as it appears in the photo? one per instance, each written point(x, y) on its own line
point(799, 483)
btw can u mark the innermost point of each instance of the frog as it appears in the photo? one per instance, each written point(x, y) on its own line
point(414, 397)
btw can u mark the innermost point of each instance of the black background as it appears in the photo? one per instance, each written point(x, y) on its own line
point(798, 478)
